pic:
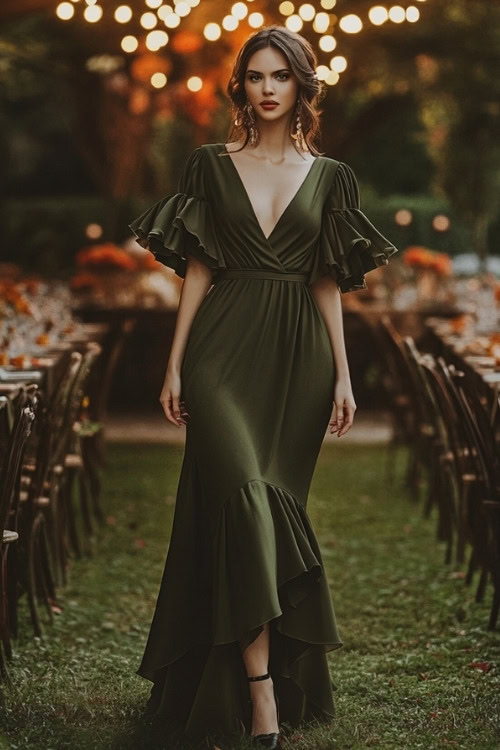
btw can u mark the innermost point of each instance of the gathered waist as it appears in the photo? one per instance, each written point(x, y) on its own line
point(259, 273)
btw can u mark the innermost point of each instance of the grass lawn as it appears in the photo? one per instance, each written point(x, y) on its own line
point(411, 629)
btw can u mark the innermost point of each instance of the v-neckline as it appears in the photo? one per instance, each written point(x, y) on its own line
point(247, 197)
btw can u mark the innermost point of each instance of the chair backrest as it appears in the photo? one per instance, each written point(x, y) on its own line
point(11, 466)
point(485, 465)
point(407, 375)
point(445, 402)
point(427, 394)
point(102, 376)
point(75, 398)
point(49, 425)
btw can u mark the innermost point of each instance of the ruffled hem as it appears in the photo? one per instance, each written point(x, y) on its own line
point(176, 225)
point(267, 567)
point(350, 246)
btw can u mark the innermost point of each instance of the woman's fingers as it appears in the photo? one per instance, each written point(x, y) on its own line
point(347, 420)
point(344, 418)
point(174, 409)
point(179, 411)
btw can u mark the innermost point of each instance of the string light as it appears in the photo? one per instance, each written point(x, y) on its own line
point(294, 23)
point(65, 11)
point(92, 13)
point(164, 11)
point(123, 14)
point(295, 14)
point(286, 8)
point(397, 14)
point(172, 20)
point(148, 20)
point(194, 83)
point(129, 43)
point(378, 15)
point(212, 31)
point(307, 12)
point(255, 20)
point(332, 77)
point(182, 9)
point(158, 80)
point(351, 24)
point(412, 14)
point(321, 22)
point(156, 39)
point(327, 43)
point(239, 11)
point(230, 23)
point(338, 63)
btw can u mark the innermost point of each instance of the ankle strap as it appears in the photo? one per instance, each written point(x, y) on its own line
point(260, 677)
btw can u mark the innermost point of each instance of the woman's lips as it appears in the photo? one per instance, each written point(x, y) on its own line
point(269, 106)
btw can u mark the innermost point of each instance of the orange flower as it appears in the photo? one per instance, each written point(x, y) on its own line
point(83, 280)
point(108, 255)
point(418, 256)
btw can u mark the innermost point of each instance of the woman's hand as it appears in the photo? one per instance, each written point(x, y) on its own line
point(170, 399)
point(344, 408)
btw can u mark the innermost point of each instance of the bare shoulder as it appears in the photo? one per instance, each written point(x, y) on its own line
point(233, 146)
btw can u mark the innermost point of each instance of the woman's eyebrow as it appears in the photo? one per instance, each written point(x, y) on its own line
point(281, 70)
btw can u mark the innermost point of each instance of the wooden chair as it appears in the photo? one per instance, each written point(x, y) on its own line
point(9, 499)
point(393, 383)
point(70, 458)
point(442, 487)
point(94, 410)
point(418, 425)
point(41, 519)
point(483, 511)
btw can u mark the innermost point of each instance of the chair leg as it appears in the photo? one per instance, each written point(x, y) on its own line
point(46, 577)
point(54, 521)
point(4, 613)
point(32, 578)
point(69, 513)
point(91, 462)
point(12, 589)
point(483, 581)
point(495, 607)
point(472, 567)
point(85, 510)
point(4, 674)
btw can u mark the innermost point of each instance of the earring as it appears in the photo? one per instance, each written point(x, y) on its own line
point(299, 135)
point(250, 117)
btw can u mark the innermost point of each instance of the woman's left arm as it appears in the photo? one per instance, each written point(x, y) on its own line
point(327, 296)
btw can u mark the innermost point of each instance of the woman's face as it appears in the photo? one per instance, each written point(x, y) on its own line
point(269, 78)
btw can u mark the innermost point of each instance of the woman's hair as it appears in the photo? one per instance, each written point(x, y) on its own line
point(302, 61)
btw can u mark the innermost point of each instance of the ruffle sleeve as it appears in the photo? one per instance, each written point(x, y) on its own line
point(349, 245)
point(181, 223)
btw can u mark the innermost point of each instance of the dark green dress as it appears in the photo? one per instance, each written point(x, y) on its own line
point(258, 380)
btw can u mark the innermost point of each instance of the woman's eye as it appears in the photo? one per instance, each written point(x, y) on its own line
point(281, 76)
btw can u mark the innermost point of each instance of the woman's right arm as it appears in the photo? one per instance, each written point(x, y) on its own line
point(197, 282)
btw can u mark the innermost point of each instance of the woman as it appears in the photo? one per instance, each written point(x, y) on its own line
point(272, 230)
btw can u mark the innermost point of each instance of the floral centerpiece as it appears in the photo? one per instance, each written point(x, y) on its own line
point(112, 276)
point(432, 271)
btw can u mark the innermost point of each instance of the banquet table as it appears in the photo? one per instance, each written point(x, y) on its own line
point(45, 371)
point(467, 353)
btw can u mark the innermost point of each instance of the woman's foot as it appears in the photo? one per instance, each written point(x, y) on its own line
point(264, 714)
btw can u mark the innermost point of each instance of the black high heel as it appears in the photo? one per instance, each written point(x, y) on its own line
point(267, 740)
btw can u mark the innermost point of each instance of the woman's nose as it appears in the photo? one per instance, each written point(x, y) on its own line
point(268, 87)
